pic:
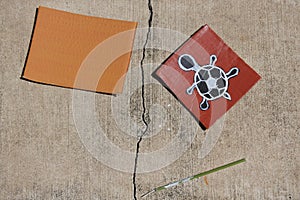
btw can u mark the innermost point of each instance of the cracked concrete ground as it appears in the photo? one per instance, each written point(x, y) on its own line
point(42, 156)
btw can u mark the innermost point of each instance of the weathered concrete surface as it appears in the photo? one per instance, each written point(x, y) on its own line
point(42, 156)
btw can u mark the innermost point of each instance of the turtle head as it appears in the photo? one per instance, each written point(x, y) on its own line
point(187, 63)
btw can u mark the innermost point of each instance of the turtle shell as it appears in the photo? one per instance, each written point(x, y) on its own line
point(211, 81)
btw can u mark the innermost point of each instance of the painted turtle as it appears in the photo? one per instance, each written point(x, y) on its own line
point(210, 81)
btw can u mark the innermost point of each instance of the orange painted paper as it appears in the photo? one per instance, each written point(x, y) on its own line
point(63, 43)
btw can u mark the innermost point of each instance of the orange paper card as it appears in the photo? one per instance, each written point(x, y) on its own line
point(206, 76)
point(76, 51)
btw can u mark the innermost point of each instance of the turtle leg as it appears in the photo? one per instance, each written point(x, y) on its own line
point(204, 104)
point(213, 59)
point(189, 91)
point(233, 72)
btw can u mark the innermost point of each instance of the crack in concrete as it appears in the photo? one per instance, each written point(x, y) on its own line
point(144, 114)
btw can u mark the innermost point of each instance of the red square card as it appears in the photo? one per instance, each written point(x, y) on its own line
point(206, 76)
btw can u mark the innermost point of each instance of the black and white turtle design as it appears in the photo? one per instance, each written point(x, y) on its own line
point(210, 80)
